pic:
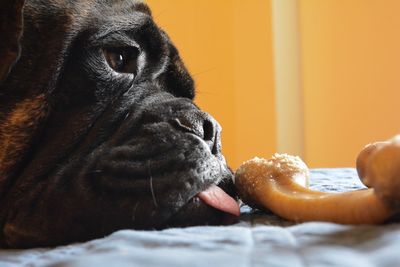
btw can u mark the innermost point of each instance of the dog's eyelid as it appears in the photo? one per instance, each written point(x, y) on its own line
point(111, 47)
point(115, 39)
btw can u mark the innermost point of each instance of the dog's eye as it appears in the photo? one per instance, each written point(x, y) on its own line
point(122, 59)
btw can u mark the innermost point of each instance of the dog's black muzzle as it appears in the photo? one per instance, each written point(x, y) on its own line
point(164, 152)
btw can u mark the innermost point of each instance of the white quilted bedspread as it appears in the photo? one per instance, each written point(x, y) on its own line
point(259, 239)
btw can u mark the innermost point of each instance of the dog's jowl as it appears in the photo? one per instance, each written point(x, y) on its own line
point(98, 129)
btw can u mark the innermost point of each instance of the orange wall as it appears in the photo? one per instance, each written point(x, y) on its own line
point(348, 63)
point(351, 76)
point(227, 47)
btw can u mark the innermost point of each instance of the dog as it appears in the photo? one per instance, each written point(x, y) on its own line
point(98, 128)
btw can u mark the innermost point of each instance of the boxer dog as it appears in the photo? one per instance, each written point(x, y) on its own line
point(98, 129)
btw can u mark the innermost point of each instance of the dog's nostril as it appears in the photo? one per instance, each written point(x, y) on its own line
point(208, 130)
point(202, 125)
point(188, 126)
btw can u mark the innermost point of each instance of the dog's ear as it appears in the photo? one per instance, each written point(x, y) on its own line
point(11, 29)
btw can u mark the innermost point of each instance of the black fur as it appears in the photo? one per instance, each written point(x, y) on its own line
point(103, 150)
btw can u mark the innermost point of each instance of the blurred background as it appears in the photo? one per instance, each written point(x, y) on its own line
point(318, 79)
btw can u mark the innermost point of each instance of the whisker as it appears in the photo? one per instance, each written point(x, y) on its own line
point(159, 13)
point(134, 212)
point(220, 172)
point(199, 92)
point(203, 72)
point(151, 185)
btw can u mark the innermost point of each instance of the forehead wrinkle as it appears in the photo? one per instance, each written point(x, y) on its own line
point(123, 23)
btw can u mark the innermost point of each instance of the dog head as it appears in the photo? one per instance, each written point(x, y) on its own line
point(98, 129)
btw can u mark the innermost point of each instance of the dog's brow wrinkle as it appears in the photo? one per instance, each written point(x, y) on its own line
point(122, 26)
point(151, 185)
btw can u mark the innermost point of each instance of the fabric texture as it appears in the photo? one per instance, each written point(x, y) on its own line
point(259, 239)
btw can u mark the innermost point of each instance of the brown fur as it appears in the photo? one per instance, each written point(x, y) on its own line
point(16, 132)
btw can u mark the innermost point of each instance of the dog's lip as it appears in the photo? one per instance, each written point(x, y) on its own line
point(217, 198)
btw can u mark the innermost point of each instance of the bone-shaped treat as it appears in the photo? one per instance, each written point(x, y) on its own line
point(280, 185)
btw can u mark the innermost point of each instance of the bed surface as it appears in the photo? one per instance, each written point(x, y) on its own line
point(259, 239)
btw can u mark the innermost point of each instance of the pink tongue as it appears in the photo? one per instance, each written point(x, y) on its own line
point(217, 198)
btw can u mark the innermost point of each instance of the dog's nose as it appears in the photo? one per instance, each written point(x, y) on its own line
point(204, 126)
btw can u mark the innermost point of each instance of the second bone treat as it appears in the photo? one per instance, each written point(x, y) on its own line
point(280, 185)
